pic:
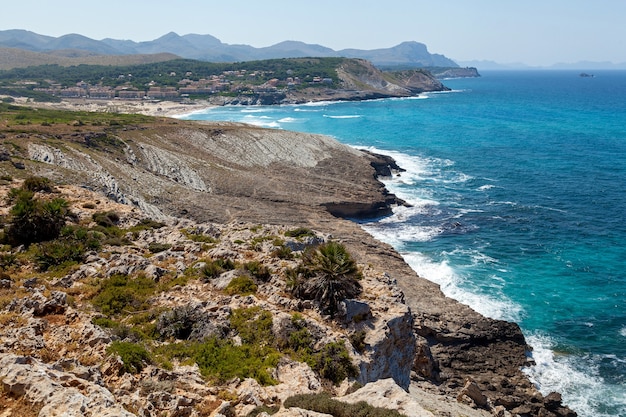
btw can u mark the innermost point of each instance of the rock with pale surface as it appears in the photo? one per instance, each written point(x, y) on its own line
point(60, 393)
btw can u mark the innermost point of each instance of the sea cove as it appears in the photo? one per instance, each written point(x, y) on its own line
point(516, 181)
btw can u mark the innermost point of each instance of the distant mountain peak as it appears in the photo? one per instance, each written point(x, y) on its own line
point(209, 48)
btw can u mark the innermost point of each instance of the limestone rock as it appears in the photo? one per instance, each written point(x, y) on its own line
point(60, 393)
point(385, 393)
point(390, 347)
point(299, 412)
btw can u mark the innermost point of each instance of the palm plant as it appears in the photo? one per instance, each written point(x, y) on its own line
point(329, 275)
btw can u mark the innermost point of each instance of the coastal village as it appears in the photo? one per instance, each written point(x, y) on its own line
point(238, 82)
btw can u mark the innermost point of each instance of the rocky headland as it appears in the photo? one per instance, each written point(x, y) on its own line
point(186, 194)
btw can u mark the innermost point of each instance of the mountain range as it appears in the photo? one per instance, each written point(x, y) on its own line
point(209, 48)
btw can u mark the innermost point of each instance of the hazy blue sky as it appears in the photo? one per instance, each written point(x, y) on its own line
point(535, 32)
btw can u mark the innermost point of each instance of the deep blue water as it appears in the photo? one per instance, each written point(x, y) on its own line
point(517, 181)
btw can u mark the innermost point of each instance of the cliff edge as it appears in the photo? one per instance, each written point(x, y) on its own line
point(223, 179)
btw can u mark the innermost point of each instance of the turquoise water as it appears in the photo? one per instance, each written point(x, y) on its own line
point(517, 182)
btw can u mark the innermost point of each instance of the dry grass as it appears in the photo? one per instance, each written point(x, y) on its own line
point(10, 406)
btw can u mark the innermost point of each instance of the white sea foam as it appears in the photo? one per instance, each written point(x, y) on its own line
point(486, 187)
point(422, 96)
point(347, 116)
point(288, 120)
point(261, 121)
point(575, 377)
point(251, 110)
point(622, 332)
point(309, 110)
point(318, 103)
point(451, 281)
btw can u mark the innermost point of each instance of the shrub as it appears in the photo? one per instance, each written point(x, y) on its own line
point(33, 220)
point(70, 247)
point(120, 292)
point(258, 270)
point(155, 247)
point(242, 285)
point(214, 268)
point(58, 252)
point(300, 232)
point(106, 218)
point(357, 340)
point(147, 224)
point(327, 274)
point(323, 403)
point(134, 356)
point(253, 325)
point(35, 184)
point(333, 363)
point(222, 360)
point(300, 340)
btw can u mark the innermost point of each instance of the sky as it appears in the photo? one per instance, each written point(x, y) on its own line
point(533, 32)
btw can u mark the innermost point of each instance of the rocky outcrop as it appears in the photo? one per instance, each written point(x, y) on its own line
point(385, 393)
point(59, 393)
point(279, 179)
point(443, 72)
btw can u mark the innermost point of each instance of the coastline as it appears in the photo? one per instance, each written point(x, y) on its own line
point(452, 333)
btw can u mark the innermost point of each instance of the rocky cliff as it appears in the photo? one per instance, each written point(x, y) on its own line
point(233, 191)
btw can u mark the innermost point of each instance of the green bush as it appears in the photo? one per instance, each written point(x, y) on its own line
point(70, 247)
point(35, 184)
point(258, 270)
point(253, 325)
point(134, 356)
point(221, 360)
point(327, 274)
point(147, 224)
point(323, 403)
point(155, 247)
point(357, 340)
point(58, 252)
point(301, 341)
point(215, 268)
point(242, 285)
point(333, 363)
point(120, 292)
point(33, 220)
point(300, 232)
point(106, 218)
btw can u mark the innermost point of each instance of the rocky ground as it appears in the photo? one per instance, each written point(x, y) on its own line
point(233, 191)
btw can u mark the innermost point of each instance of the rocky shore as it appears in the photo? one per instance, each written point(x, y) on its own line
point(241, 187)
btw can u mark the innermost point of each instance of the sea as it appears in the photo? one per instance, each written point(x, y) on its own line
point(517, 186)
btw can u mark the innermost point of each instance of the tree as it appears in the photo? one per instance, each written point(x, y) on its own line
point(329, 275)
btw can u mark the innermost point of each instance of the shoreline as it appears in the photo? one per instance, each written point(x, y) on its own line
point(450, 330)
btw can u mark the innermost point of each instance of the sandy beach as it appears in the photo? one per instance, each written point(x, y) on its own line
point(146, 107)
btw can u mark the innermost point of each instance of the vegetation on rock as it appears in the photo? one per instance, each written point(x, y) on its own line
point(323, 403)
point(329, 275)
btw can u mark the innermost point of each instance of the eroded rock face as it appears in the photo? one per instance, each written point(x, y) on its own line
point(60, 393)
point(389, 350)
